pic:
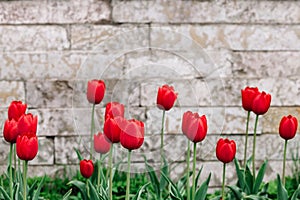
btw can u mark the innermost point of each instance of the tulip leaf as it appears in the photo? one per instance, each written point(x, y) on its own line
point(81, 186)
point(296, 193)
point(236, 191)
point(79, 156)
point(4, 193)
point(201, 192)
point(17, 193)
point(248, 180)
point(66, 196)
point(240, 174)
point(153, 178)
point(38, 190)
point(174, 189)
point(281, 191)
point(32, 188)
point(93, 191)
point(197, 177)
point(165, 170)
point(260, 177)
point(140, 191)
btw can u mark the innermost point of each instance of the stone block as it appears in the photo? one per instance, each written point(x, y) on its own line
point(11, 91)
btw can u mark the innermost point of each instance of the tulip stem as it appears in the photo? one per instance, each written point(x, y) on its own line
point(25, 163)
point(254, 146)
point(92, 132)
point(10, 171)
point(15, 161)
point(223, 182)
point(284, 159)
point(162, 137)
point(128, 176)
point(188, 171)
point(246, 140)
point(194, 171)
point(109, 171)
point(99, 172)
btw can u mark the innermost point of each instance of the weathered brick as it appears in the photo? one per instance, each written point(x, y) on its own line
point(33, 38)
point(10, 91)
point(115, 40)
point(45, 154)
point(234, 37)
point(206, 11)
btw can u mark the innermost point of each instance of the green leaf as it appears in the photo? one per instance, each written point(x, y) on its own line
point(174, 190)
point(37, 192)
point(240, 174)
point(164, 170)
point(296, 193)
point(153, 178)
point(93, 191)
point(260, 177)
point(66, 196)
point(248, 180)
point(17, 191)
point(32, 188)
point(281, 191)
point(236, 191)
point(81, 186)
point(201, 192)
point(4, 193)
point(197, 177)
point(139, 192)
point(79, 156)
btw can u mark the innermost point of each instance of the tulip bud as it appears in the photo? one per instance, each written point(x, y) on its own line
point(101, 143)
point(27, 146)
point(114, 109)
point(261, 103)
point(27, 124)
point(95, 91)
point(16, 109)
point(194, 126)
point(132, 135)
point(86, 168)
point(225, 150)
point(10, 130)
point(248, 95)
point(112, 128)
point(288, 127)
point(166, 97)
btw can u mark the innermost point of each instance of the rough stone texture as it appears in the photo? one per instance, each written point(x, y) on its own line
point(206, 11)
point(208, 50)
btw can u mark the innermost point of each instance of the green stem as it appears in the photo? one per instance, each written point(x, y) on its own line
point(246, 140)
point(25, 163)
point(188, 171)
point(223, 182)
point(99, 173)
point(284, 159)
point(92, 132)
point(15, 161)
point(162, 137)
point(87, 188)
point(128, 176)
point(254, 146)
point(10, 171)
point(194, 171)
point(110, 171)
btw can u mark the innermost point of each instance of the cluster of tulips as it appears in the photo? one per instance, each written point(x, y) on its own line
point(20, 131)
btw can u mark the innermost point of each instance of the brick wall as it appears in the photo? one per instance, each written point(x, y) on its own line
point(208, 50)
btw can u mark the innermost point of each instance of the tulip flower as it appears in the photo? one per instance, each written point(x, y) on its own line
point(16, 109)
point(260, 106)
point(95, 93)
point(287, 130)
point(27, 148)
point(131, 137)
point(195, 129)
point(225, 152)
point(114, 109)
point(248, 95)
point(27, 124)
point(86, 168)
point(10, 131)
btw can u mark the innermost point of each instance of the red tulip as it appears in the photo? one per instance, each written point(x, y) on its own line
point(261, 103)
point(101, 143)
point(166, 97)
point(27, 124)
point(10, 130)
point(86, 168)
point(132, 135)
point(27, 146)
point(112, 128)
point(288, 127)
point(16, 109)
point(225, 150)
point(248, 95)
point(194, 126)
point(114, 109)
point(95, 91)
